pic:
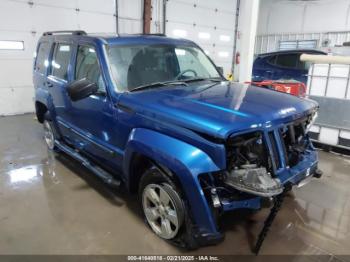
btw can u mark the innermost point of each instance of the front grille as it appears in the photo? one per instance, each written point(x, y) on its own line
point(294, 141)
point(275, 155)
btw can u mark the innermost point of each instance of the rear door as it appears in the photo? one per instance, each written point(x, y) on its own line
point(57, 81)
point(41, 64)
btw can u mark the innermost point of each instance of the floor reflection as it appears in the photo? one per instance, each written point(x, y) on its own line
point(43, 194)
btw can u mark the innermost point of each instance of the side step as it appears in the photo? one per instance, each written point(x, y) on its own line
point(106, 177)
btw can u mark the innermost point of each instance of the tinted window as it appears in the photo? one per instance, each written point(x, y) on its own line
point(288, 60)
point(60, 61)
point(87, 67)
point(272, 60)
point(42, 58)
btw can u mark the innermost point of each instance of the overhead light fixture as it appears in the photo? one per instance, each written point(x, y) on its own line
point(11, 45)
point(203, 35)
point(223, 54)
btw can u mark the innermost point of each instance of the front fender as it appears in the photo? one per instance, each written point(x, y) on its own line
point(185, 160)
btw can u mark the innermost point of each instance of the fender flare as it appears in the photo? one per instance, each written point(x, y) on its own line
point(185, 160)
point(43, 96)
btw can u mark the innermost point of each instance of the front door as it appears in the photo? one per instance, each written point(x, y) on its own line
point(92, 119)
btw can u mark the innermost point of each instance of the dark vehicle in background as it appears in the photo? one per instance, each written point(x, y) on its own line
point(282, 65)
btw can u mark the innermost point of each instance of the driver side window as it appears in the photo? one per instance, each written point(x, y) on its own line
point(87, 66)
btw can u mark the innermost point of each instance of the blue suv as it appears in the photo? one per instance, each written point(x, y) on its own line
point(155, 115)
point(283, 65)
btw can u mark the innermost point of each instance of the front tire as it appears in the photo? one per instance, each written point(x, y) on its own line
point(164, 208)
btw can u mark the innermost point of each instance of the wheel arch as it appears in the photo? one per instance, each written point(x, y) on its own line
point(43, 103)
point(40, 111)
point(184, 161)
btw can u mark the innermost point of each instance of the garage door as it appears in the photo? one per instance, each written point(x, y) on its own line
point(209, 23)
point(22, 22)
point(130, 16)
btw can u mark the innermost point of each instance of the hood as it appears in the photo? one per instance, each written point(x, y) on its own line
point(218, 109)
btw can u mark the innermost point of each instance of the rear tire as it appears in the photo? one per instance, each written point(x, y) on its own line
point(165, 209)
point(50, 134)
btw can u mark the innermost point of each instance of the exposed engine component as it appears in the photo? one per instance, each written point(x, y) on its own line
point(248, 149)
point(295, 142)
point(250, 167)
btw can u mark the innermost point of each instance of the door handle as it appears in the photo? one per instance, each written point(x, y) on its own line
point(48, 84)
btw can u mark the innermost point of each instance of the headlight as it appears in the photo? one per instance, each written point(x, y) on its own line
point(312, 121)
point(256, 181)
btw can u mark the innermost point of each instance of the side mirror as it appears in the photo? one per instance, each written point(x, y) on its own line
point(80, 89)
point(220, 69)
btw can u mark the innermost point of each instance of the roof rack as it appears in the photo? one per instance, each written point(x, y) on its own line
point(141, 34)
point(157, 34)
point(73, 32)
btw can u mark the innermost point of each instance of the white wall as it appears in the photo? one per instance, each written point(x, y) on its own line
point(282, 16)
point(130, 16)
point(26, 22)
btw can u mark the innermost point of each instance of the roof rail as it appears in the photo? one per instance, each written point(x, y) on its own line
point(157, 34)
point(73, 32)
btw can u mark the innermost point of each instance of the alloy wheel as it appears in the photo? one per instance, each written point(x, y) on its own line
point(160, 211)
point(49, 136)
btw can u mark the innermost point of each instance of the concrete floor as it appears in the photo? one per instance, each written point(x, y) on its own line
point(51, 205)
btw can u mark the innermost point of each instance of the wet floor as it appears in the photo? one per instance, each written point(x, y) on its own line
point(51, 205)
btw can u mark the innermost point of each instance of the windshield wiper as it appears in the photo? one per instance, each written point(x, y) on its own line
point(159, 84)
point(203, 79)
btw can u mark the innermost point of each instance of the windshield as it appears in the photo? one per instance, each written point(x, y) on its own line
point(139, 65)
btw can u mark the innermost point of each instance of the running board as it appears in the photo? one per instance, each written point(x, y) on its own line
point(106, 177)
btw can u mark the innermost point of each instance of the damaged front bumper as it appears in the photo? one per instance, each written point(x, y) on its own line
point(298, 175)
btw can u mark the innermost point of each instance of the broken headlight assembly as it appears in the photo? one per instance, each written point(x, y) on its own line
point(250, 167)
point(311, 121)
point(254, 180)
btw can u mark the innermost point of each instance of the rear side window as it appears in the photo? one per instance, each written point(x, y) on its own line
point(288, 60)
point(88, 67)
point(42, 62)
point(272, 60)
point(60, 61)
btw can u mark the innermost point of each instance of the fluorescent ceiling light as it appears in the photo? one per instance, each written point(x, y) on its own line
point(203, 35)
point(11, 45)
point(223, 54)
point(64, 48)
